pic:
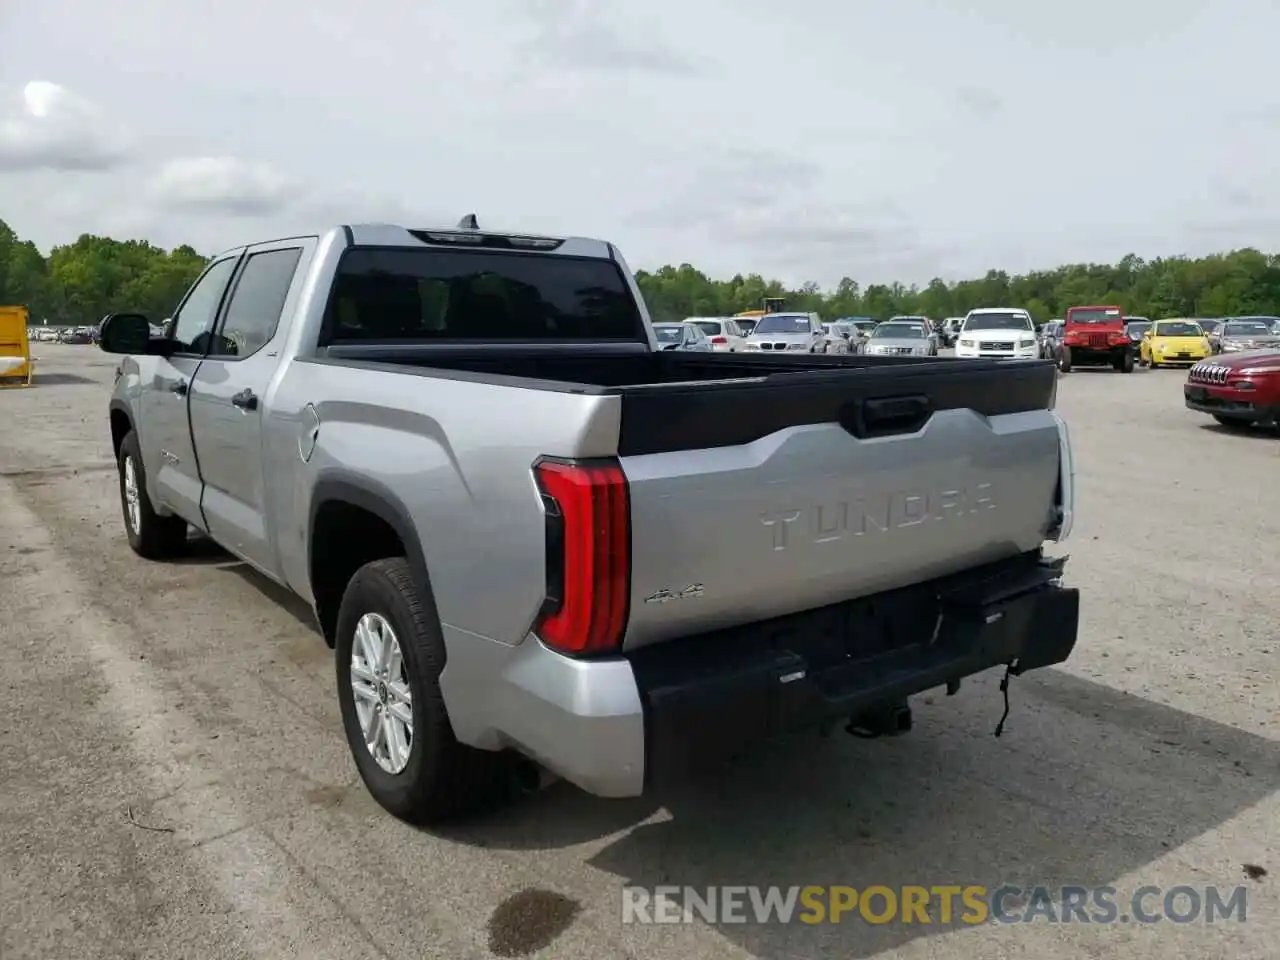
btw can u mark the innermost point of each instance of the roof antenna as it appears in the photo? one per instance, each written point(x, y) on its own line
point(468, 222)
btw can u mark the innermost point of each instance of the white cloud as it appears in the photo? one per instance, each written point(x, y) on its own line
point(235, 188)
point(738, 136)
point(45, 126)
point(578, 35)
point(223, 185)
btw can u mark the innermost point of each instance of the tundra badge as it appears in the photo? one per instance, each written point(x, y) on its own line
point(691, 592)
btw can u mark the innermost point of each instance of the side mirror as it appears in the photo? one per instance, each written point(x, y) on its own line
point(128, 333)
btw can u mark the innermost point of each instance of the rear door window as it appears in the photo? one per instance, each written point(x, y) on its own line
point(258, 297)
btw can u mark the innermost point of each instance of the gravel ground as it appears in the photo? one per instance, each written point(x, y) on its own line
point(174, 781)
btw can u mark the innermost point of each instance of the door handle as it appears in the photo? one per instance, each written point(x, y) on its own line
point(886, 416)
point(179, 387)
point(246, 399)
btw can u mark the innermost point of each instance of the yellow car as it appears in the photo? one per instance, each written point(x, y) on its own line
point(1171, 342)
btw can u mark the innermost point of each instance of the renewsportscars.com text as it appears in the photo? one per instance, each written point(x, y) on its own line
point(938, 904)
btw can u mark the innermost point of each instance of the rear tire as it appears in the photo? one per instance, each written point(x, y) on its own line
point(441, 778)
point(150, 535)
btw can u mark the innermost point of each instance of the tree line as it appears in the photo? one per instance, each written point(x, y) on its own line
point(80, 282)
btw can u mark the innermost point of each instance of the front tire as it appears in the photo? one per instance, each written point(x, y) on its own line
point(390, 653)
point(1064, 359)
point(150, 535)
point(1125, 363)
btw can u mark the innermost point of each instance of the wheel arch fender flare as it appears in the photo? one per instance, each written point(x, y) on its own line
point(373, 497)
point(117, 410)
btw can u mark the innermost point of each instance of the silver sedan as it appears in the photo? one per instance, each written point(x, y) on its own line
point(682, 336)
point(896, 339)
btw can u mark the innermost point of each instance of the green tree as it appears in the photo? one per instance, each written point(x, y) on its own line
point(79, 282)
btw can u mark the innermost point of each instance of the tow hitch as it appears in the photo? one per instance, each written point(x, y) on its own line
point(885, 722)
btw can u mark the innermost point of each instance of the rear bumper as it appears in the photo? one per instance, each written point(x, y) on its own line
point(614, 726)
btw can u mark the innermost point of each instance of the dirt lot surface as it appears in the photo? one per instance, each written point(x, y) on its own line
point(174, 781)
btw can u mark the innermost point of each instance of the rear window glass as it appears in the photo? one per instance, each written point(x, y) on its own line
point(709, 327)
point(431, 294)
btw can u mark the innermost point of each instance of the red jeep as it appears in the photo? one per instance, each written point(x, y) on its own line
point(1237, 389)
point(1095, 337)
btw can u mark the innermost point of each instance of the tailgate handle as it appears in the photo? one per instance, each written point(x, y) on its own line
point(886, 416)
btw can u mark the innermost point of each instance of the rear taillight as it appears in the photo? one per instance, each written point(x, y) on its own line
point(588, 522)
point(719, 339)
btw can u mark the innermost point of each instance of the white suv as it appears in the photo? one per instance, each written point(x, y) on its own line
point(998, 333)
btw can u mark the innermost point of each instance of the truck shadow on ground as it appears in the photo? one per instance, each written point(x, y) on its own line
point(203, 551)
point(1087, 785)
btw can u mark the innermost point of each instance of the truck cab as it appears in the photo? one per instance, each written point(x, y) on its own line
point(1096, 337)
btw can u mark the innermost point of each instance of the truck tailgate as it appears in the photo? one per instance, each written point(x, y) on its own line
point(843, 484)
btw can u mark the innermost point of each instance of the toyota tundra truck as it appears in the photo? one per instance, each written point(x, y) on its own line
point(536, 542)
point(1095, 337)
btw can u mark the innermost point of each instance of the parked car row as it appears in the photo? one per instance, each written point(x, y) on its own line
point(1234, 361)
point(1088, 336)
point(1225, 334)
point(796, 332)
point(44, 334)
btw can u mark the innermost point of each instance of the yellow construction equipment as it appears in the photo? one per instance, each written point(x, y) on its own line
point(15, 348)
point(771, 305)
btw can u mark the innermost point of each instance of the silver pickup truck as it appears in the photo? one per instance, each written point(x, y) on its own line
point(537, 542)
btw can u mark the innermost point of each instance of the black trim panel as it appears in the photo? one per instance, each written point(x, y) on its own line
point(711, 696)
point(368, 495)
point(117, 405)
point(704, 415)
point(675, 401)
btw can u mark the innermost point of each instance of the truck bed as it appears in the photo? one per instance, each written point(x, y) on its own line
point(687, 401)
point(771, 485)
